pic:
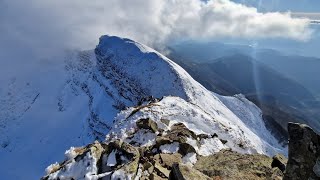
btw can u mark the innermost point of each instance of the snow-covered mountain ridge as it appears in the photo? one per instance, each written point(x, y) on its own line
point(156, 75)
point(97, 93)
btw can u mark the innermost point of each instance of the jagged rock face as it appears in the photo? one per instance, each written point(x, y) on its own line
point(155, 152)
point(146, 158)
point(304, 153)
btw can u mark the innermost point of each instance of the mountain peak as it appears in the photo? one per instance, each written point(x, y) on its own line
point(140, 72)
point(148, 71)
point(105, 91)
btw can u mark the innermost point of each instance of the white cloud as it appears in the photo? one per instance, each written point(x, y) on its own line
point(52, 24)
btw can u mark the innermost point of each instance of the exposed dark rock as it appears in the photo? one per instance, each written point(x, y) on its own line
point(280, 162)
point(124, 154)
point(148, 166)
point(185, 148)
point(304, 153)
point(181, 130)
point(147, 124)
point(162, 140)
point(223, 141)
point(175, 173)
point(178, 133)
point(203, 136)
point(206, 136)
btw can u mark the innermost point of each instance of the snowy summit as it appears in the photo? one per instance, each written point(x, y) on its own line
point(102, 94)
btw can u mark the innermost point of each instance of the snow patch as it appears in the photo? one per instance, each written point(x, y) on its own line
point(190, 159)
point(193, 143)
point(84, 169)
point(52, 167)
point(70, 154)
point(112, 161)
point(170, 148)
point(210, 146)
point(120, 174)
point(143, 138)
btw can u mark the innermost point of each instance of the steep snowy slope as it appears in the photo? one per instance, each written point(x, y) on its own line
point(74, 103)
point(51, 109)
point(156, 75)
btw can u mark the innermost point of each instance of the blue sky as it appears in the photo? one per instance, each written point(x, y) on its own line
point(284, 5)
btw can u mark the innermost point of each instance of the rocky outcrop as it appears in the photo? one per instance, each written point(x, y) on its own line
point(151, 152)
point(304, 153)
point(231, 165)
point(148, 153)
point(170, 150)
point(279, 161)
point(147, 124)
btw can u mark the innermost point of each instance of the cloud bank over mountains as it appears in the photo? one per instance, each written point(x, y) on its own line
point(46, 26)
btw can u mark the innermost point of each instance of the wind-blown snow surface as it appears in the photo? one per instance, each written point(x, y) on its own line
point(75, 103)
point(156, 75)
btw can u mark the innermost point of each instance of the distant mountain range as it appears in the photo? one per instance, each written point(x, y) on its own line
point(280, 85)
point(302, 69)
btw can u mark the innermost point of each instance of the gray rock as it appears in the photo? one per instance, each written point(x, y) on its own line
point(181, 130)
point(169, 159)
point(279, 161)
point(304, 153)
point(185, 148)
point(147, 124)
point(161, 171)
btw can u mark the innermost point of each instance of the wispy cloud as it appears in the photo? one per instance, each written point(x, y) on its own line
point(313, 17)
point(52, 24)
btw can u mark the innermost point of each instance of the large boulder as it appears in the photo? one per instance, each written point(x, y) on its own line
point(304, 153)
point(179, 133)
point(279, 161)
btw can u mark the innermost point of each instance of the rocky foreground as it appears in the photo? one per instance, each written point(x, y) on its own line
point(174, 156)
